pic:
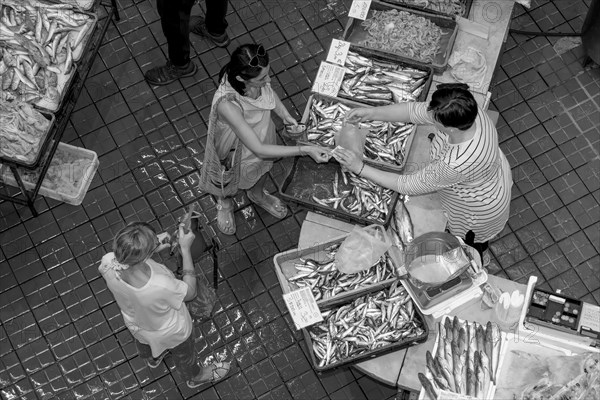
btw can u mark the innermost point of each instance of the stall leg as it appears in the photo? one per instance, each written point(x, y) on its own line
point(28, 199)
point(114, 6)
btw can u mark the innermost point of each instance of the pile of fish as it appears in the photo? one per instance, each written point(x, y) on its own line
point(326, 281)
point(358, 196)
point(385, 140)
point(450, 7)
point(37, 45)
point(21, 130)
point(466, 360)
point(378, 83)
point(370, 322)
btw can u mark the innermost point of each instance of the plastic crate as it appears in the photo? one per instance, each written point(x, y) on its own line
point(355, 33)
point(397, 345)
point(467, 7)
point(284, 269)
point(89, 165)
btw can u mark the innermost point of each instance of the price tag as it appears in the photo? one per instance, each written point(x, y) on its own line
point(329, 79)
point(359, 9)
point(303, 307)
point(338, 51)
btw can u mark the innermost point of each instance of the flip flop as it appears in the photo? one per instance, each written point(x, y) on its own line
point(219, 372)
point(270, 203)
point(225, 218)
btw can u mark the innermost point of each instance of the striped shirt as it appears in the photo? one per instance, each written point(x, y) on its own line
point(473, 178)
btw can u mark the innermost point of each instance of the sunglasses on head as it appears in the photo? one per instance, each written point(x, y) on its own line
point(260, 52)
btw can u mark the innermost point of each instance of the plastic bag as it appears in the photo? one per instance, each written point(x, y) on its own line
point(362, 249)
point(351, 138)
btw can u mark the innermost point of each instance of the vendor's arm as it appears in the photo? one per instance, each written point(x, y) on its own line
point(433, 177)
point(233, 116)
point(402, 112)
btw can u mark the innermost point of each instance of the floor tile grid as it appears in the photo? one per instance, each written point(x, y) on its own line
point(523, 268)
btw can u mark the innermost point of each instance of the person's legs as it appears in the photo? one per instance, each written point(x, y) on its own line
point(175, 22)
point(214, 25)
point(184, 357)
point(145, 353)
point(216, 10)
point(481, 247)
point(270, 203)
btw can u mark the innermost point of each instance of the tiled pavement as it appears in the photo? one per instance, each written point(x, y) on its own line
point(62, 335)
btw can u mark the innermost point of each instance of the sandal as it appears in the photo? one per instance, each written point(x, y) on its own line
point(225, 218)
point(270, 203)
point(219, 372)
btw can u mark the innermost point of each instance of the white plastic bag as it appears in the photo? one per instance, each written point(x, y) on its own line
point(351, 138)
point(362, 249)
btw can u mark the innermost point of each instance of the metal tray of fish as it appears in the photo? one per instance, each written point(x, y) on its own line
point(365, 327)
point(324, 188)
point(33, 160)
point(387, 143)
point(356, 33)
point(433, 7)
point(377, 80)
point(315, 267)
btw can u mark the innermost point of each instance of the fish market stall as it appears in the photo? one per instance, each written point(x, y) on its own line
point(46, 51)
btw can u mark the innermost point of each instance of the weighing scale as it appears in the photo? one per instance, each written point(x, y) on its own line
point(441, 300)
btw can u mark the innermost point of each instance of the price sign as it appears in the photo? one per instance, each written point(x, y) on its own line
point(359, 9)
point(329, 79)
point(303, 307)
point(338, 51)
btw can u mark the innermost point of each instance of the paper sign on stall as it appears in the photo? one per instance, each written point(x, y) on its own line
point(359, 9)
point(338, 51)
point(303, 307)
point(329, 79)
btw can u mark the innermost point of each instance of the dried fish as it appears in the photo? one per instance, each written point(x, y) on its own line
point(21, 130)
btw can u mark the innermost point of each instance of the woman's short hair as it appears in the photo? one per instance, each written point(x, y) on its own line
point(453, 105)
point(134, 243)
point(239, 65)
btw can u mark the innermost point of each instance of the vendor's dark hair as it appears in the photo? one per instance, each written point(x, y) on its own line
point(239, 65)
point(453, 105)
point(134, 243)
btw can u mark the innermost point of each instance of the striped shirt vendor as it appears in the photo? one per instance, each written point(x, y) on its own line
point(466, 166)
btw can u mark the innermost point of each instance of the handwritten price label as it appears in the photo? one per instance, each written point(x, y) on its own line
point(359, 9)
point(329, 79)
point(303, 307)
point(338, 51)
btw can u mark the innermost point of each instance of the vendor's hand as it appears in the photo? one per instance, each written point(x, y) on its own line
point(165, 241)
point(358, 115)
point(348, 159)
point(185, 239)
point(317, 153)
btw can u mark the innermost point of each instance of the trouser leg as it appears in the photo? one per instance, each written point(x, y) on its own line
point(216, 10)
point(144, 350)
point(185, 359)
point(175, 22)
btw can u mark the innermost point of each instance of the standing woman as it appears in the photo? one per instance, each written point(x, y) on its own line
point(466, 167)
point(243, 103)
point(152, 301)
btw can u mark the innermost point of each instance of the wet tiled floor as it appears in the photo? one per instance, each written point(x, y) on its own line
point(62, 335)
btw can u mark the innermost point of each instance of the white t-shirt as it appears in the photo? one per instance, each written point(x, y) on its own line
point(155, 313)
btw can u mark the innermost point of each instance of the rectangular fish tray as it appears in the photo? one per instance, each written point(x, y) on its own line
point(355, 33)
point(343, 338)
point(286, 271)
point(307, 119)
